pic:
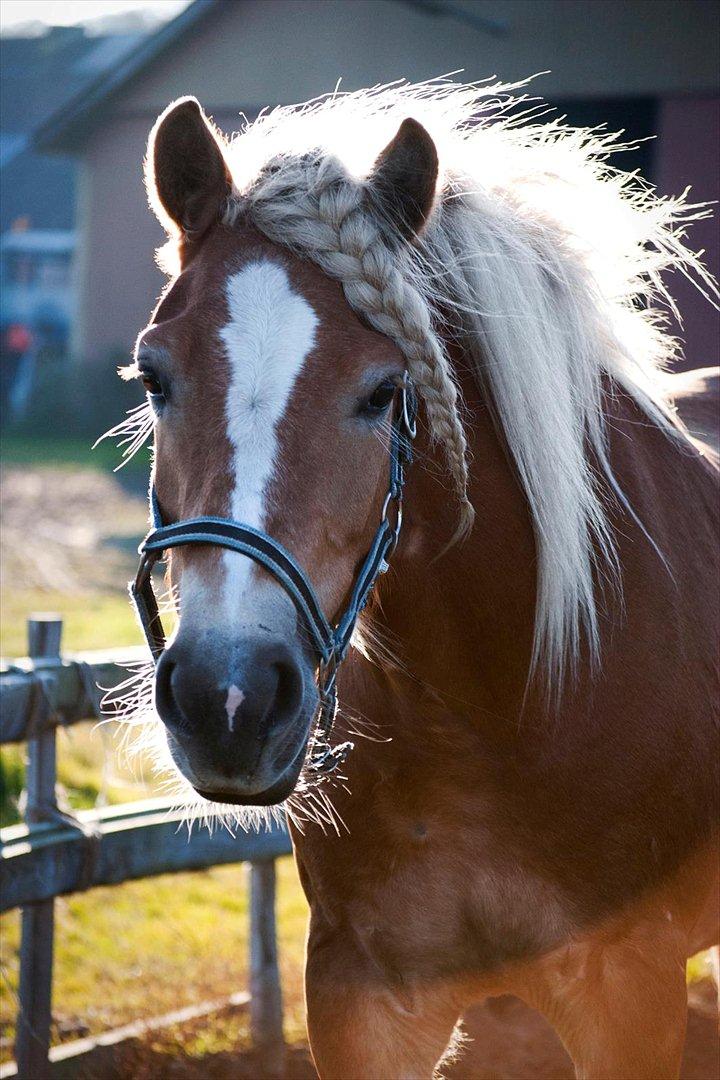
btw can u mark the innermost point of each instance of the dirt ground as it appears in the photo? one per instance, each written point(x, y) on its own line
point(506, 1041)
point(68, 529)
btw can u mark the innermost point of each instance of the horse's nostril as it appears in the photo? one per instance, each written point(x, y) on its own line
point(165, 700)
point(288, 695)
point(265, 692)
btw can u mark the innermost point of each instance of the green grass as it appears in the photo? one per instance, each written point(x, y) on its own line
point(149, 947)
point(91, 620)
point(68, 452)
point(90, 766)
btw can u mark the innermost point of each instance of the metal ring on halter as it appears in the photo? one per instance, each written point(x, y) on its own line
point(390, 497)
point(396, 531)
point(409, 421)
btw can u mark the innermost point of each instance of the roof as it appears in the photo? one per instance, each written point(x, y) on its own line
point(40, 75)
point(674, 60)
point(67, 128)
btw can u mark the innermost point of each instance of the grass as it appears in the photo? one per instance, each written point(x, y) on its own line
point(91, 620)
point(149, 947)
point(69, 452)
point(89, 768)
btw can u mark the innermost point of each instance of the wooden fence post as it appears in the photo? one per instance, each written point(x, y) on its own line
point(36, 944)
point(266, 1016)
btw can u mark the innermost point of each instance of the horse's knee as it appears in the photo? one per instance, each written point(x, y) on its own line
point(619, 1007)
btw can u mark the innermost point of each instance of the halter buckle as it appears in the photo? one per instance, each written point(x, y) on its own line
point(331, 757)
point(389, 498)
point(325, 758)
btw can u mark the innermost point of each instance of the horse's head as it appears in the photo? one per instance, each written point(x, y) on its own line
point(273, 404)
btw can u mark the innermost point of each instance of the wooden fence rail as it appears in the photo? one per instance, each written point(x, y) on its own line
point(54, 853)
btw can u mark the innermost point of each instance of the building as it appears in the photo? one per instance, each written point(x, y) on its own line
point(38, 74)
point(646, 67)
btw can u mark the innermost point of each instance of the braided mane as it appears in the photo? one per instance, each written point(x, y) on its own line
point(549, 264)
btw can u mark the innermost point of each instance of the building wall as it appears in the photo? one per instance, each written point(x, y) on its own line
point(265, 52)
point(689, 156)
point(118, 279)
point(259, 52)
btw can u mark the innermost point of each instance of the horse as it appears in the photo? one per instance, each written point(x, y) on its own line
point(530, 803)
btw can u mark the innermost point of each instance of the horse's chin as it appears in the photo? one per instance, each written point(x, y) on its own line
point(265, 790)
point(271, 796)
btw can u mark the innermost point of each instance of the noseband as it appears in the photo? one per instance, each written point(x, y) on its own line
point(331, 643)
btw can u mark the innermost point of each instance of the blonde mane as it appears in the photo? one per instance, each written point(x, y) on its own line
point(539, 259)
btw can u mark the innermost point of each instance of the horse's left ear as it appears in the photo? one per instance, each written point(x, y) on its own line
point(404, 177)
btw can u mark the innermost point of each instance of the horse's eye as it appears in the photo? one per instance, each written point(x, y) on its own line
point(380, 398)
point(151, 383)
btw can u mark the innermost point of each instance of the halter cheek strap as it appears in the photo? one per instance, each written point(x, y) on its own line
point(331, 643)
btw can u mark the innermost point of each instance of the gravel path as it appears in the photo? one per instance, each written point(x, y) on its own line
point(71, 530)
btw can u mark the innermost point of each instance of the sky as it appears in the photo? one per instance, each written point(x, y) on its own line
point(67, 12)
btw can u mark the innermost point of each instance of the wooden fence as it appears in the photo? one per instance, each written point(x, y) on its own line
point(55, 853)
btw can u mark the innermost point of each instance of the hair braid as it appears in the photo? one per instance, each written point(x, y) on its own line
point(317, 210)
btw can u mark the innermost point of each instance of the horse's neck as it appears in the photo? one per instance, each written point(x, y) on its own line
point(460, 621)
point(448, 742)
point(462, 624)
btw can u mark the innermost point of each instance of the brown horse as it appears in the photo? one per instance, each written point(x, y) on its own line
point(535, 806)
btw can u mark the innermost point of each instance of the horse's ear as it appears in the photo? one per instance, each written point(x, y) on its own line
point(185, 171)
point(404, 177)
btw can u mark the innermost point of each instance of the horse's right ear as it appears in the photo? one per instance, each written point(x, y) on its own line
point(185, 172)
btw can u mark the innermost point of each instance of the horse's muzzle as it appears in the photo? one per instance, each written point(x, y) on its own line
point(238, 715)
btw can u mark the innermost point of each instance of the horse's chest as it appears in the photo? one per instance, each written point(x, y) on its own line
point(439, 912)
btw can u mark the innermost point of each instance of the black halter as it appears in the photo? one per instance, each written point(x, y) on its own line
point(331, 643)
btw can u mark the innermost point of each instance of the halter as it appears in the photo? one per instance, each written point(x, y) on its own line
point(331, 643)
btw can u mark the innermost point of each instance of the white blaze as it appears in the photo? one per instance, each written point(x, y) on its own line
point(269, 335)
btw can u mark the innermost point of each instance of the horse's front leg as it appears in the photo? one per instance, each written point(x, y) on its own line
point(619, 1003)
point(364, 1025)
